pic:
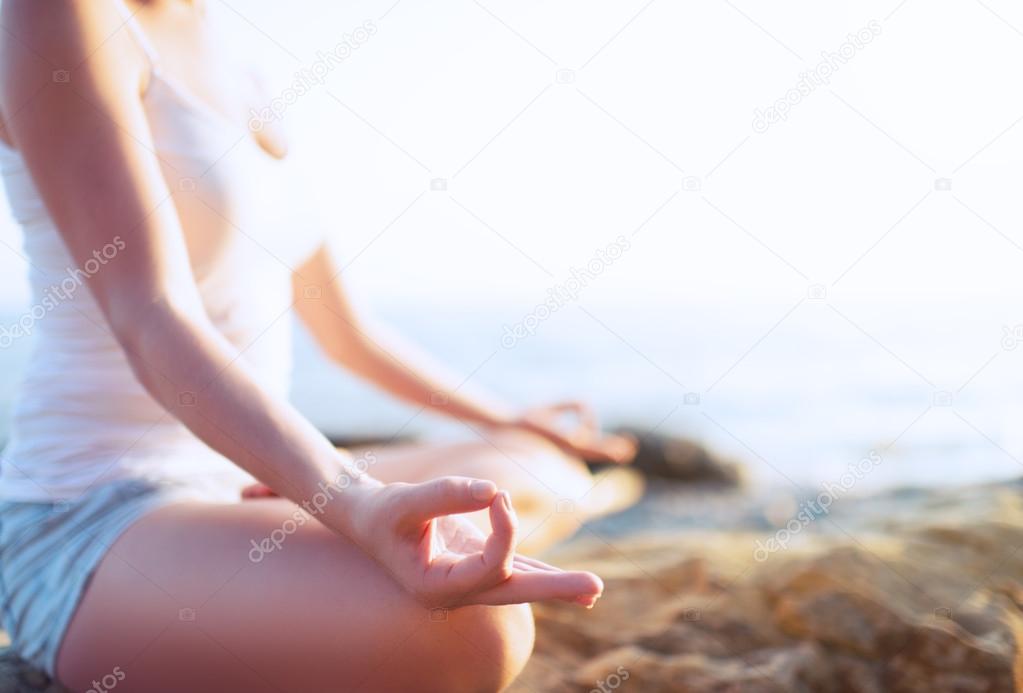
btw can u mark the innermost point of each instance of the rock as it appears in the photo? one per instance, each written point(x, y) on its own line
point(355, 442)
point(841, 621)
point(681, 459)
point(771, 670)
point(932, 603)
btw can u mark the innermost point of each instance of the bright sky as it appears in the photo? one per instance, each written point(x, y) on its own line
point(557, 128)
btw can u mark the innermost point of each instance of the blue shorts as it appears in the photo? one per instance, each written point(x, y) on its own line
point(49, 551)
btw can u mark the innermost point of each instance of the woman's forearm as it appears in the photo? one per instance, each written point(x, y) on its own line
point(381, 359)
point(415, 379)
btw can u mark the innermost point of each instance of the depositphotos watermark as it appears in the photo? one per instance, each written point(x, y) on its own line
point(1012, 337)
point(810, 510)
point(310, 508)
point(612, 681)
point(559, 295)
point(108, 682)
point(55, 294)
point(820, 75)
point(314, 75)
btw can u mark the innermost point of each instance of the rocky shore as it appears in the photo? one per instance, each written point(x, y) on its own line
point(906, 591)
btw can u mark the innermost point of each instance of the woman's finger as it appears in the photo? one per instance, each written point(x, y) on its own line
point(577, 586)
point(619, 448)
point(524, 567)
point(258, 491)
point(499, 550)
point(491, 566)
point(613, 448)
point(588, 419)
point(585, 413)
point(451, 495)
point(534, 564)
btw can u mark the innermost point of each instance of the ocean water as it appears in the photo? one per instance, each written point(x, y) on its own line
point(917, 393)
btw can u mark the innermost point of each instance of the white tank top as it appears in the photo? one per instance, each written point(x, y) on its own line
point(81, 418)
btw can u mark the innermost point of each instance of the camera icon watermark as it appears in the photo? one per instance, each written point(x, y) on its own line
point(817, 292)
point(691, 615)
point(62, 76)
point(692, 184)
point(564, 506)
point(942, 399)
point(943, 184)
point(187, 399)
point(564, 76)
point(312, 292)
point(186, 615)
point(438, 614)
point(186, 184)
point(439, 398)
point(438, 184)
point(943, 612)
point(691, 398)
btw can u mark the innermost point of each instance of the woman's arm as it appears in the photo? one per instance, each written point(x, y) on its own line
point(346, 339)
point(88, 149)
point(349, 341)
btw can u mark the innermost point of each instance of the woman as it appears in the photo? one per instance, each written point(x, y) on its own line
point(155, 400)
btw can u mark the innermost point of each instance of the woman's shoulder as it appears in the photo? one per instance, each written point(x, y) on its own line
point(67, 37)
point(49, 23)
point(73, 52)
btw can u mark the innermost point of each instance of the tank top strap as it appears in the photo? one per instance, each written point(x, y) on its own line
point(140, 36)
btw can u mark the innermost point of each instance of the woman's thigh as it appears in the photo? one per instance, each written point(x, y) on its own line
point(189, 598)
point(517, 462)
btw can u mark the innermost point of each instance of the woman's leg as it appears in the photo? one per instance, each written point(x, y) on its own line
point(184, 601)
point(553, 493)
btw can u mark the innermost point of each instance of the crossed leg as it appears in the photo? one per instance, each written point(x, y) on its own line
point(178, 604)
point(553, 493)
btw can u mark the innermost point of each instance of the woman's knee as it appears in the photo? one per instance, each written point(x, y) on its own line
point(541, 458)
point(525, 442)
point(496, 643)
point(546, 484)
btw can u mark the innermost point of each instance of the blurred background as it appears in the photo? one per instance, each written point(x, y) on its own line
point(788, 231)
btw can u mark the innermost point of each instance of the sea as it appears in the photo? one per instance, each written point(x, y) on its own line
point(802, 390)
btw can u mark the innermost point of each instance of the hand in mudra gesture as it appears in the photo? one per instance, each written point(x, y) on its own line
point(574, 428)
point(418, 534)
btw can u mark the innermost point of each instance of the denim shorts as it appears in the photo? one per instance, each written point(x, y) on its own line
point(49, 551)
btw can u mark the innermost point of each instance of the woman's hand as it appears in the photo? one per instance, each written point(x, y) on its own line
point(573, 427)
point(414, 531)
point(258, 490)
